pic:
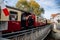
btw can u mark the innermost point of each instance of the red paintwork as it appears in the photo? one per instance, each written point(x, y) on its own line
point(13, 26)
point(34, 17)
point(6, 12)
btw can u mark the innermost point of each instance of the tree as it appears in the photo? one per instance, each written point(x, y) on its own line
point(42, 10)
point(34, 7)
point(31, 6)
point(34, 4)
point(21, 4)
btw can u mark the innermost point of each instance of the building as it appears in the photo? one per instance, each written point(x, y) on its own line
point(56, 26)
point(55, 18)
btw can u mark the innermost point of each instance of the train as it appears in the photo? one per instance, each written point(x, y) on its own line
point(20, 20)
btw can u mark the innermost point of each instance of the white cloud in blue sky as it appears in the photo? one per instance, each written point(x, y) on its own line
point(10, 2)
point(50, 6)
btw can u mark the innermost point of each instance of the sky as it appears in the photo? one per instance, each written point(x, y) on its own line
point(50, 6)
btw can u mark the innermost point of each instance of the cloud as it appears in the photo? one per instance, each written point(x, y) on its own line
point(49, 6)
point(49, 12)
point(10, 2)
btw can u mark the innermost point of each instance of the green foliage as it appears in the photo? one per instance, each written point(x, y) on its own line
point(31, 6)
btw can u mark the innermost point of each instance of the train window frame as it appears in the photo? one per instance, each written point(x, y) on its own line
point(13, 14)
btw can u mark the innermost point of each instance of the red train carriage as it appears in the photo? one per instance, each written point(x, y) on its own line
point(17, 20)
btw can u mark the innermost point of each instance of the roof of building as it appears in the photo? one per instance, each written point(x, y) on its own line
point(53, 15)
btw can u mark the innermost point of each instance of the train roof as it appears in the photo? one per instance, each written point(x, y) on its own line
point(16, 9)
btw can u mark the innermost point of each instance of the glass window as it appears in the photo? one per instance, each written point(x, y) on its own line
point(13, 16)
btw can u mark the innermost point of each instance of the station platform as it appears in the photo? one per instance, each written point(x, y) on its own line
point(38, 33)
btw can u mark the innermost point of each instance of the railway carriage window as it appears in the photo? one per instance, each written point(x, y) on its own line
point(13, 16)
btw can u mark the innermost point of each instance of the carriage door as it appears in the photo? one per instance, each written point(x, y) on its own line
point(13, 24)
point(30, 21)
point(23, 20)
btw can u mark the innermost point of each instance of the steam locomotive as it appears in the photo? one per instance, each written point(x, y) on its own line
point(20, 20)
